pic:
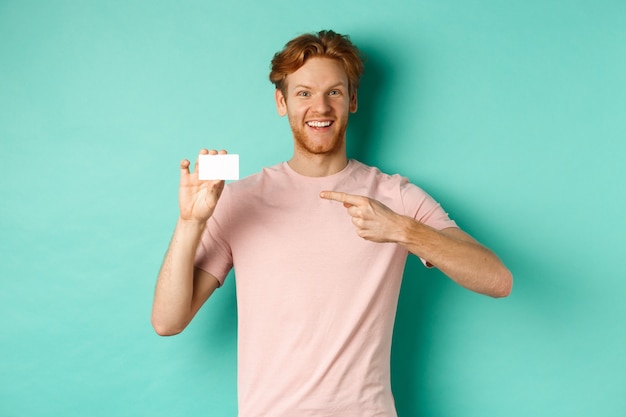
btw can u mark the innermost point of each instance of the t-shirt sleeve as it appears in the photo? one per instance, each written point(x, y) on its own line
point(214, 254)
point(423, 208)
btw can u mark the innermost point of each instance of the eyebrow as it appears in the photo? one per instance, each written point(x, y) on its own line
point(339, 84)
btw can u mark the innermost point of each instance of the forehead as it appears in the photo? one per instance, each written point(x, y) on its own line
point(318, 73)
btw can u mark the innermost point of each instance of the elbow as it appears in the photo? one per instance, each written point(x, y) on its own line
point(504, 284)
point(163, 328)
point(161, 331)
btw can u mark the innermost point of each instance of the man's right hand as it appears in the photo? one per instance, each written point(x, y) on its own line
point(197, 199)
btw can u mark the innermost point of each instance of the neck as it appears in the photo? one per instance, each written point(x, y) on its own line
point(318, 165)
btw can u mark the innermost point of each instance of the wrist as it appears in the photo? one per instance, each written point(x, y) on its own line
point(410, 231)
point(404, 228)
point(191, 224)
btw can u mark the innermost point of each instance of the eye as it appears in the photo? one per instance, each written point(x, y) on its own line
point(334, 93)
point(303, 94)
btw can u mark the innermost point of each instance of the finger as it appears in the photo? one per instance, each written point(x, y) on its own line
point(358, 222)
point(184, 166)
point(354, 211)
point(345, 198)
point(203, 151)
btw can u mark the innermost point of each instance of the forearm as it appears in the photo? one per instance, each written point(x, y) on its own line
point(457, 255)
point(172, 308)
point(451, 250)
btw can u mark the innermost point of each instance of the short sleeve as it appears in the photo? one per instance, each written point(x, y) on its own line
point(423, 208)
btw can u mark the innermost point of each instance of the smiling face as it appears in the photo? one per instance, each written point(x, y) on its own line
point(317, 101)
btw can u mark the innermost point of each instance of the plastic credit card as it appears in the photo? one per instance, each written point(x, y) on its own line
point(218, 167)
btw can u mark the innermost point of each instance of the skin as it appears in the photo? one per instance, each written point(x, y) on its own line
point(451, 250)
point(182, 289)
point(317, 102)
point(318, 92)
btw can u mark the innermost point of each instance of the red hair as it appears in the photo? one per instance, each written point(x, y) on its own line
point(324, 44)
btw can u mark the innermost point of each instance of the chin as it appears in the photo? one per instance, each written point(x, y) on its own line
point(306, 144)
point(320, 149)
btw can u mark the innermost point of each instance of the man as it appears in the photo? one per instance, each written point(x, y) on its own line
point(318, 244)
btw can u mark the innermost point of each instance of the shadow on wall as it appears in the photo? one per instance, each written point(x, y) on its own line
point(419, 298)
point(421, 288)
point(366, 124)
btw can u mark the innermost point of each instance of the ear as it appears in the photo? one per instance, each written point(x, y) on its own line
point(354, 103)
point(281, 102)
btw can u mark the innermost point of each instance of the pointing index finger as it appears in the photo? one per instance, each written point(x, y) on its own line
point(341, 197)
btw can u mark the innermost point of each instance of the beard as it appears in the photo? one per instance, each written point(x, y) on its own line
point(310, 146)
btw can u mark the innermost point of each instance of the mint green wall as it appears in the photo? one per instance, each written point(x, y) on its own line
point(512, 114)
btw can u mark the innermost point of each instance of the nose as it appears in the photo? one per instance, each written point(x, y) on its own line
point(321, 104)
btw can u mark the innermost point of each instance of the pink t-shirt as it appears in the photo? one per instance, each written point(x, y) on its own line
point(316, 303)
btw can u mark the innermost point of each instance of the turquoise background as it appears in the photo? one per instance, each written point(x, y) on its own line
point(512, 114)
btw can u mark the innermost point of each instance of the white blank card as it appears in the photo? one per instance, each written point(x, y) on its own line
point(218, 167)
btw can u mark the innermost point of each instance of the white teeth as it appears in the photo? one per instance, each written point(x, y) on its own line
point(319, 124)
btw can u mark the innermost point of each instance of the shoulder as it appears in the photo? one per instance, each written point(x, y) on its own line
point(258, 180)
point(248, 193)
point(372, 174)
point(394, 190)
